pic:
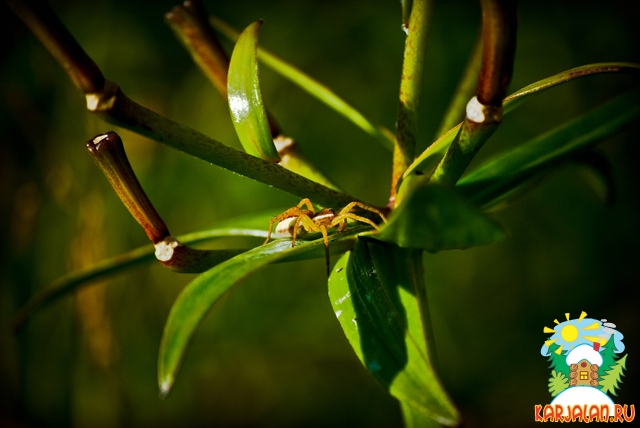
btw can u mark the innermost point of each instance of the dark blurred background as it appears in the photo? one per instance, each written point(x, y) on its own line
point(271, 353)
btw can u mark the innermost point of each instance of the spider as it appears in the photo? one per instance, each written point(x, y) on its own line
point(298, 221)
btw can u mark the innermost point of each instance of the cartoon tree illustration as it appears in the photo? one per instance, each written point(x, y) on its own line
point(558, 382)
point(612, 378)
point(608, 358)
point(558, 361)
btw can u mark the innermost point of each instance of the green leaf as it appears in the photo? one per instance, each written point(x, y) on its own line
point(500, 176)
point(436, 218)
point(245, 98)
point(517, 98)
point(254, 225)
point(313, 87)
point(377, 294)
point(426, 163)
point(197, 298)
point(414, 419)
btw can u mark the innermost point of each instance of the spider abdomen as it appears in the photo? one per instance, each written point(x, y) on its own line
point(324, 216)
point(285, 227)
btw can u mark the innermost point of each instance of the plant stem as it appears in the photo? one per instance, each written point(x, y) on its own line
point(499, 24)
point(426, 163)
point(122, 111)
point(106, 99)
point(410, 88)
point(108, 152)
point(189, 22)
point(484, 111)
point(499, 177)
point(47, 27)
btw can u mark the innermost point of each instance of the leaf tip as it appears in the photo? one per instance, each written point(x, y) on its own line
point(165, 388)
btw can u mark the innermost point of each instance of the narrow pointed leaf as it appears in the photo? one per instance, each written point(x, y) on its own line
point(517, 98)
point(249, 226)
point(245, 97)
point(201, 294)
point(373, 293)
point(426, 163)
point(507, 172)
point(313, 87)
point(436, 218)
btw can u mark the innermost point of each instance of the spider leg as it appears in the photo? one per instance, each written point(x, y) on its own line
point(342, 224)
point(360, 205)
point(323, 229)
point(353, 216)
point(307, 224)
point(295, 230)
point(307, 202)
point(273, 220)
point(291, 212)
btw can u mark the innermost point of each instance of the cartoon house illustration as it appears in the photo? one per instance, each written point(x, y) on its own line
point(584, 362)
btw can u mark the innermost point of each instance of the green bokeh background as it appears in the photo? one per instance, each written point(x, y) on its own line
point(271, 353)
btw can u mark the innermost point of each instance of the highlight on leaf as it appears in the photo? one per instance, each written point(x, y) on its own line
point(245, 97)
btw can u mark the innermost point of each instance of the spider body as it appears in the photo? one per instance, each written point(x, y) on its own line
point(297, 221)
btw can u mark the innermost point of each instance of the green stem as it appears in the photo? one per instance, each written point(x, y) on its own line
point(470, 138)
point(484, 111)
point(410, 88)
point(499, 177)
point(122, 111)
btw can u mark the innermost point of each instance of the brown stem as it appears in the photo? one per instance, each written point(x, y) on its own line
point(47, 27)
point(499, 25)
point(190, 23)
point(108, 152)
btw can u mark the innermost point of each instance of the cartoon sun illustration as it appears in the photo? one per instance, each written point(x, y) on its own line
point(573, 332)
